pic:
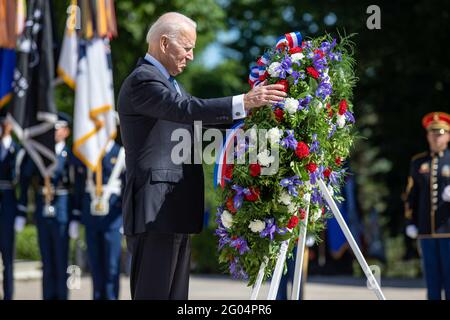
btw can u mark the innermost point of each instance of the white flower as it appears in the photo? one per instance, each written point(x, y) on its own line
point(340, 121)
point(297, 57)
point(285, 198)
point(319, 105)
point(274, 69)
point(227, 219)
point(257, 225)
point(274, 135)
point(291, 105)
point(331, 190)
point(292, 208)
point(316, 215)
point(264, 159)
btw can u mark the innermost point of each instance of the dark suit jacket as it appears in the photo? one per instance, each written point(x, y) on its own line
point(161, 195)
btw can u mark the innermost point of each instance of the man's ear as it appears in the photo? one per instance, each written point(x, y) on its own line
point(163, 43)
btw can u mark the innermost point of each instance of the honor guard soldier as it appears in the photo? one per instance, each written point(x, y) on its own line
point(52, 212)
point(9, 219)
point(427, 206)
point(101, 207)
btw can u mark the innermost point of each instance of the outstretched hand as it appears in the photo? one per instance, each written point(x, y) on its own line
point(263, 94)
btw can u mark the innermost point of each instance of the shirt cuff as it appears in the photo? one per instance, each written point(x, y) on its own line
point(238, 107)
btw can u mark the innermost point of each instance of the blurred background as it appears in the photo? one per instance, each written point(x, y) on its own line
point(403, 74)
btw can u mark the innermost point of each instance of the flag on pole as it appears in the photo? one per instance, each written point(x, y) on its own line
point(68, 58)
point(7, 64)
point(94, 119)
point(33, 111)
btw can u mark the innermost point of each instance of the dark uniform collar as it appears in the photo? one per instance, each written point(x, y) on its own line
point(439, 154)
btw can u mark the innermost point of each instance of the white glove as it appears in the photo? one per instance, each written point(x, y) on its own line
point(446, 194)
point(411, 231)
point(19, 223)
point(309, 241)
point(73, 229)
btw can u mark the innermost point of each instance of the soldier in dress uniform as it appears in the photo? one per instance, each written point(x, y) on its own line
point(9, 220)
point(427, 205)
point(101, 214)
point(52, 212)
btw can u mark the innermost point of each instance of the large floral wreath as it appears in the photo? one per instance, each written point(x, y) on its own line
point(312, 132)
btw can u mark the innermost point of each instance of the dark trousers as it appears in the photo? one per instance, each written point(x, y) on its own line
point(54, 247)
point(160, 266)
point(436, 265)
point(104, 250)
point(7, 216)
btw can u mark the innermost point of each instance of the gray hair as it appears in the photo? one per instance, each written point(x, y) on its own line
point(169, 24)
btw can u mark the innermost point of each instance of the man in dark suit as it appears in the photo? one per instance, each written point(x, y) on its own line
point(163, 198)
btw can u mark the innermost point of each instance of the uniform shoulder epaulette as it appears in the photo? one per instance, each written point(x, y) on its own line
point(419, 156)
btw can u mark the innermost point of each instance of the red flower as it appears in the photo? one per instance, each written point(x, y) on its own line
point(279, 114)
point(326, 172)
point(319, 52)
point(330, 111)
point(293, 221)
point(230, 205)
point(285, 85)
point(254, 194)
point(229, 171)
point(264, 76)
point(342, 107)
point(302, 213)
point(302, 150)
point(311, 167)
point(295, 50)
point(255, 169)
point(312, 72)
point(338, 161)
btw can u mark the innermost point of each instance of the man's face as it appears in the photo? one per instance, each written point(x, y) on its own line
point(438, 142)
point(180, 50)
point(6, 127)
point(61, 134)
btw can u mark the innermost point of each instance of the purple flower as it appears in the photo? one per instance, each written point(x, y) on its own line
point(314, 144)
point(335, 176)
point(316, 197)
point(324, 90)
point(222, 233)
point(318, 174)
point(240, 244)
point(349, 116)
point(271, 229)
point(303, 103)
point(332, 131)
point(291, 183)
point(285, 67)
point(298, 75)
point(289, 141)
point(239, 196)
point(236, 270)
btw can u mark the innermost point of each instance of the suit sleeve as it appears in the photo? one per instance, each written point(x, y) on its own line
point(411, 196)
point(152, 98)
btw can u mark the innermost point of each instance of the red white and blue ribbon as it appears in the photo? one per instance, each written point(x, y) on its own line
point(226, 151)
point(289, 40)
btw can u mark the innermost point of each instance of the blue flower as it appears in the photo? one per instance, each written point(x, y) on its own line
point(239, 196)
point(271, 229)
point(240, 244)
point(291, 183)
point(289, 141)
point(314, 144)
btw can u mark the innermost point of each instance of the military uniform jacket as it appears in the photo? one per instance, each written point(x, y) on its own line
point(425, 206)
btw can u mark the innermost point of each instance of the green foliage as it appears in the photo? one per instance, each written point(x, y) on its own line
point(27, 244)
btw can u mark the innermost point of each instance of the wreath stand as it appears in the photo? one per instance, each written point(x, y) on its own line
point(300, 255)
